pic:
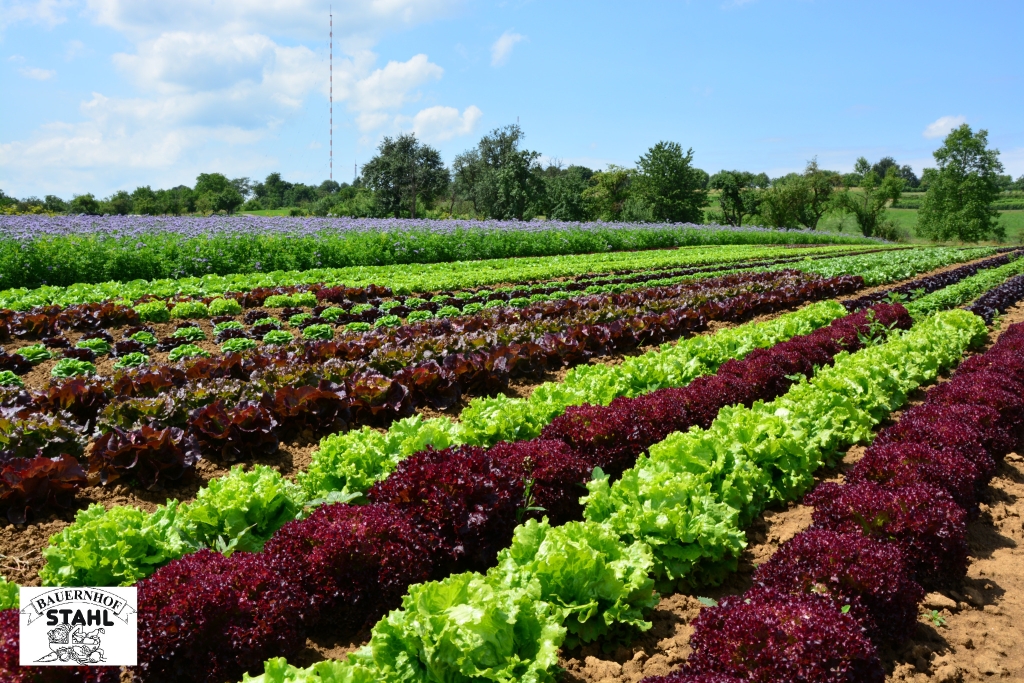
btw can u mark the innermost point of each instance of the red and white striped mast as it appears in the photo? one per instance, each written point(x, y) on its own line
point(331, 67)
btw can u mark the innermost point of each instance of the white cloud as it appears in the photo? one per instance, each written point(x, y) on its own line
point(502, 48)
point(46, 12)
point(392, 86)
point(437, 124)
point(355, 21)
point(942, 126)
point(215, 81)
point(36, 73)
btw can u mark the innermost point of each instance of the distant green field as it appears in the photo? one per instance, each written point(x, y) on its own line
point(1012, 221)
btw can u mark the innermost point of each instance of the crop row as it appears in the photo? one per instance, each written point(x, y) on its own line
point(402, 279)
point(851, 583)
point(675, 516)
point(133, 350)
point(931, 283)
point(36, 250)
point(243, 404)
point(348, 464)
point(966, 290)
point(441, 511)
point(908, 349)
point(356, 310)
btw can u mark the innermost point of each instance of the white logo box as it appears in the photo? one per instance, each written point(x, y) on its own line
point(78, 627)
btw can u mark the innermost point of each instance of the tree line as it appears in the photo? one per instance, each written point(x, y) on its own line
point(500, 178)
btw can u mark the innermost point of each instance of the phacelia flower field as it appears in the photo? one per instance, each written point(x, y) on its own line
point(563, 453)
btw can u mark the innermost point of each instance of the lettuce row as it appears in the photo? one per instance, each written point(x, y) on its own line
point(676, 515)
point(966, 290)
point(351, 462)
point(125, 544)
point(691, 496)
point(242, 510)
point(401, 278)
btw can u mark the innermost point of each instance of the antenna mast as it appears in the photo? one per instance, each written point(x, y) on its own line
point(331, 62)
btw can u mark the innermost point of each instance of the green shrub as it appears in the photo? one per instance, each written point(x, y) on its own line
point(305, 299)
point(299, 318)
point(358, 327)
point(414, 301)
point(279, 301)
point(447, 312)
point(268, 321)
point(190, 309)
point(229, 325)
point(332, 314)
point(470, 309)
point(221, 306)
point(360, 308)
point(519, 302)
point(388, 321)
point(144, 338)
point(153, 312)
point(497, 303)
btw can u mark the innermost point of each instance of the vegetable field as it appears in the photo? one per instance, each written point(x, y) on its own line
point(439, 469)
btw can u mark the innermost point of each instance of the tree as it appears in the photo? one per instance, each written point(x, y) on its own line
point(144, 201)
point(403, 170)
point(883, 166)
point(609, 189)
point(868, 205)
point(54, 204)
point(510, 183)
point(214, 192)
point(861, 166)
point(565, 191)
point(119, 203)
point(244, 186)
point(956, 204)
point(800, 200)
point(739, 195)
point(667, 181)
point(84, 203)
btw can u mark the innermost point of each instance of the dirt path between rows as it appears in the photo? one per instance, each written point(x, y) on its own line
point(973, 639)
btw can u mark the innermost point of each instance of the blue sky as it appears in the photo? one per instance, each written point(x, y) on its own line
point(102, 95)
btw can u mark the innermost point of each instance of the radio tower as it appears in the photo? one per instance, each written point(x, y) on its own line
point(331, 62)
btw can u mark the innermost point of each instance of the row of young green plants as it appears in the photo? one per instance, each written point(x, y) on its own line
point(453, 483)
point(243, 509)
point(837, 594)
point(153, 426)
point(387, 657)
point(401, 279)
point(674, 520)
point(798, 401)
point(346, 465)
point(33, 251)
point(319, 324)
